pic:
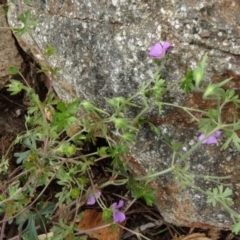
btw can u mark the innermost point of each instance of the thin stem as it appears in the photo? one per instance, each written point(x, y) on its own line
point(155, 174)
point(3, 226)
point(35, 200)
point(184, 108)
point(133, 232)
point(93, 229)
point(139, 115)
point(24, 79)
point(48, 65)
point(114, 182)
point(194, 147)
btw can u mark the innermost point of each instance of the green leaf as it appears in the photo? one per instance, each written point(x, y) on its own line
point(236, 140)
point(73, 106)
point(14, 192)
point(117, 150)
point(13, 70)
point(116, 102)
point(129, 137)
point(236, 227)
point(107, 215)
point(70, 150)
point(219, 195)
point(199, 71)
point(4, 165)
point(215, 89)
point(176, 145)
point(63, 196)
point(30, 232)
point(230, 96)
point(88, 106)
point(75, 192)
point(22, 157)
point(85, 165)
point(167, 139)
point(155, 129)
point(67, 149)
point(139, 190)
point(28, 23)
point(15, 87)
point(211, 200)
point(63, 176)
point(187, 84)
point(207, 124)
point(45, 209)
point(64, 230)
point(61, 106)
point(66, 115)
point(120, 123)
point(49, 51)
point(159, 88)
point(231, 137)
point(102, 151)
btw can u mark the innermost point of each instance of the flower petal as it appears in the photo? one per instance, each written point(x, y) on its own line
point(91, 200)
point(119, 217)
point(97, 194)
point(156, 50)
point(166, 46)
point(217, 133)
point(210, 140)
point(201, 137)
point(114, 206)
point(120, 204)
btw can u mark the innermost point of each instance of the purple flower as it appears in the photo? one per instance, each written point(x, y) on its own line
point(118, 216)
point(158, 50)
point(211, 139)
point(92, 199)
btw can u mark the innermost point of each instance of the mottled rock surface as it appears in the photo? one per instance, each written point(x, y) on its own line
point(9, 55)
point(102, 51)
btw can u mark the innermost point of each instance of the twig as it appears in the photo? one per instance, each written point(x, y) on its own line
point(3, 227)
point(142, 228)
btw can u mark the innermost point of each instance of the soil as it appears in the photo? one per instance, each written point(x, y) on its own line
point(12, 117)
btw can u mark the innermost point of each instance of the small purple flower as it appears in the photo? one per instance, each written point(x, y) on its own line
point(158, 50)
point(211, 139)
point(92, 199)
point(118, 216)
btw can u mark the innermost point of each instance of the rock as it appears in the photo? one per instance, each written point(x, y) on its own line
point(102, 52)
point(9, 54)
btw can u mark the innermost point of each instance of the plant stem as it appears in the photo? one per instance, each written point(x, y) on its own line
point(153, 175)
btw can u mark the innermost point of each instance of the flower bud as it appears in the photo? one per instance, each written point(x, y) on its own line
point(88, 106)
point(121, 123)
point(198, 75)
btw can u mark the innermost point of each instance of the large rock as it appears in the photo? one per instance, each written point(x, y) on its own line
point(102, 48)
point(9, 53)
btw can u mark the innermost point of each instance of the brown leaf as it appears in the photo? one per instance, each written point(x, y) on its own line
point(193, 236)
point(73, 130)
point(92, 219)
point(48, 113)
point(214, 233)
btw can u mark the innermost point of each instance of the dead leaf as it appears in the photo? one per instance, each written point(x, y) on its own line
point(230, 236)
point(93, 219)
point(48, 113)
point(214, 233)
point(73, 130)
point(193, 236)
point(45, 236)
